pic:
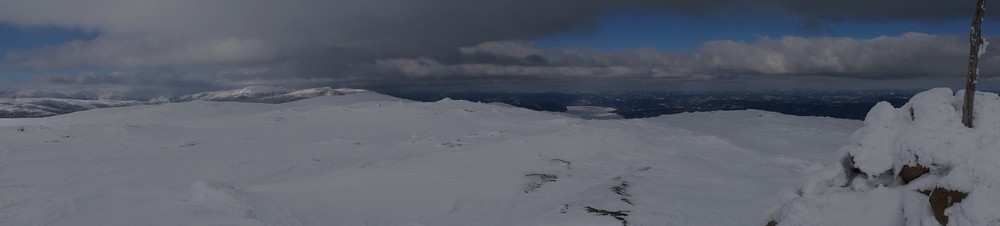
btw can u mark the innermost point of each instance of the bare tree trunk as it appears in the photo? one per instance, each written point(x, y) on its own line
point(976, 39)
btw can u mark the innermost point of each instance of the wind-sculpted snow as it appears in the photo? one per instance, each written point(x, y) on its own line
point(370, 159)
point(903, 161)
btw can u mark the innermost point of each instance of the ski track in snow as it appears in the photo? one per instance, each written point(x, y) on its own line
point(370, 159)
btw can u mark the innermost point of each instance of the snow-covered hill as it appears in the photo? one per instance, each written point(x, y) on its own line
point(45, 107)
point(43, 103)
point(370, 159)
point(266, 94)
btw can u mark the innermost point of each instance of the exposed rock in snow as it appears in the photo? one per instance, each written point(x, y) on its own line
point(869, 188)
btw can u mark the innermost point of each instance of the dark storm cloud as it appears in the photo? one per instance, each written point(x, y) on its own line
point(882, 10)
point(150, 33)
point(226, 43)
point(222, 31)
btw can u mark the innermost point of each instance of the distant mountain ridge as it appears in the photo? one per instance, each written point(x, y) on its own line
point(829, 103)
point(266, 94)
point(45, 107)
point(43, 103)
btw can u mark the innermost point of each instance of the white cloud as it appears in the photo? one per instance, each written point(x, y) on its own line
point(910, 54)
point(907, 55)
point(517, 49)
point(425, 67)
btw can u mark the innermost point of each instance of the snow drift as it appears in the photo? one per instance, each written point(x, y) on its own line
point(916, 165)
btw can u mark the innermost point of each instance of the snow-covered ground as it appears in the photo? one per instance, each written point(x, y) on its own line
point(370, 159)
point(877, 180)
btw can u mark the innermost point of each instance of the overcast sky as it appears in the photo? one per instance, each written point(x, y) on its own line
point(151, 47)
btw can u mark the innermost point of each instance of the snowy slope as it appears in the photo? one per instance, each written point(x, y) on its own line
point(370, 159)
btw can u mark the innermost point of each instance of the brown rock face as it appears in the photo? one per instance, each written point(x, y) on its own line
point(942, 199)
point(910, 173)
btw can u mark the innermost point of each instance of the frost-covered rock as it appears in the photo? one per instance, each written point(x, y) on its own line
point(865, 187)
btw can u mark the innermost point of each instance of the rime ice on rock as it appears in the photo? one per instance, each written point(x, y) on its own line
point(865, 188)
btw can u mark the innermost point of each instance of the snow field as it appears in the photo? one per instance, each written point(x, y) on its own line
point(370, 159)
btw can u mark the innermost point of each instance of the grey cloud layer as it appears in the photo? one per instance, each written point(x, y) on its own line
point(892, 57)
point(282, 30)
point(908, 55)
point(911, 54)
point(194, 33)
point(144, 51)
point(520, 65)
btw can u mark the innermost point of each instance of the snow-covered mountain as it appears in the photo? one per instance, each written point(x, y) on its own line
point(45, 107)
point(43, 103)
point(266, 94)
point(247, 93)
point(37, 93)
point(371, 159)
